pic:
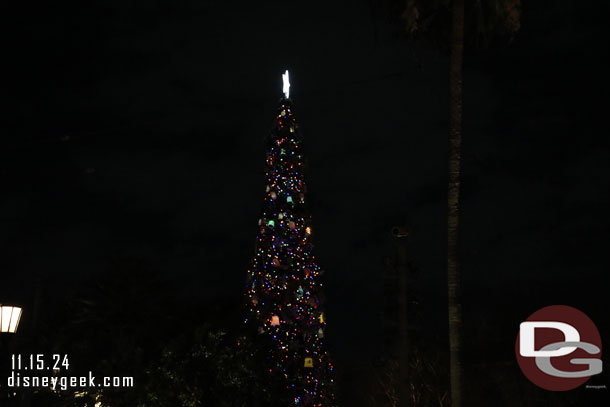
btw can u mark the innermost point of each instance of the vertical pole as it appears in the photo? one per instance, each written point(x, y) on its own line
point(455, 140)
point(403, 335)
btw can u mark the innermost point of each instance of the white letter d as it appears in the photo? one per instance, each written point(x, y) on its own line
point(527, 343)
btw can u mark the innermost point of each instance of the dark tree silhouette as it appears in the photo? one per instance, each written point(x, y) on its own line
point(125, 322)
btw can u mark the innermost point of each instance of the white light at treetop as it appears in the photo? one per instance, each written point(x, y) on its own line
point(286, 84)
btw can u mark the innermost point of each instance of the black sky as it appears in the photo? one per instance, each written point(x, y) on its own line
point(136, 128)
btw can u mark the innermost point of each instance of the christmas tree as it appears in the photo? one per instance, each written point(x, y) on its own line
point(284, 296)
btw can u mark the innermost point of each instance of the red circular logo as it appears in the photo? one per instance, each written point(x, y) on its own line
point(558, 348)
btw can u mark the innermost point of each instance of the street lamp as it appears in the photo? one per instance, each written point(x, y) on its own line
point(9, 318)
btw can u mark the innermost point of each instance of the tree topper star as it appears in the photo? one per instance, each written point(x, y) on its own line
point(286, 84)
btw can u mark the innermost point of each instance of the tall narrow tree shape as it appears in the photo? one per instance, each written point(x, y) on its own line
point(284, 297)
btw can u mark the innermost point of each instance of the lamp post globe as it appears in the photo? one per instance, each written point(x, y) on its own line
point(9, 318)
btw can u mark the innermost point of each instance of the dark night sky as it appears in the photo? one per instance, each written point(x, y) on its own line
point(136, 128)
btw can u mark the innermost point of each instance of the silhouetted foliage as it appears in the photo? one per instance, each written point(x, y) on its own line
point(430, 20)
point(124, 322)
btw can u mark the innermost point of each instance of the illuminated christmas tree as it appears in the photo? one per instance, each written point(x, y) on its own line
point(284, 297)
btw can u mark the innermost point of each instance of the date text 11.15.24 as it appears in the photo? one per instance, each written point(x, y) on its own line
point(39, 362)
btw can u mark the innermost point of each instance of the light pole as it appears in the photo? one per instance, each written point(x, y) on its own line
point(9, 322)
point(401, 233)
